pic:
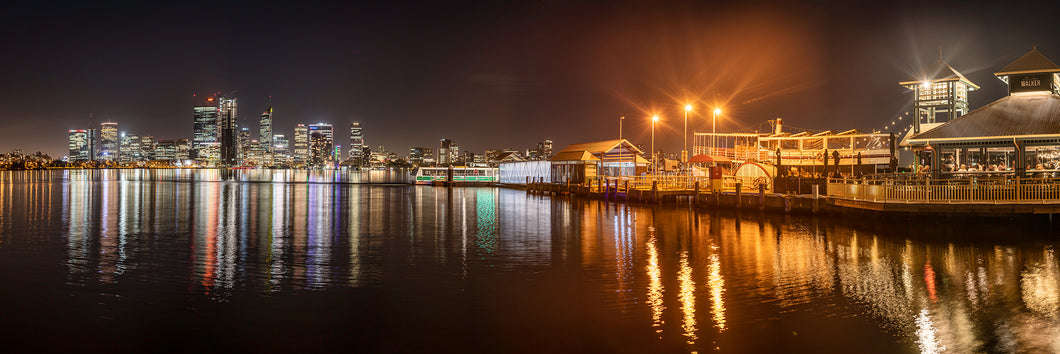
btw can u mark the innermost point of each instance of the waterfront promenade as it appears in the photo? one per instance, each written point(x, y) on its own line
point(891, 194)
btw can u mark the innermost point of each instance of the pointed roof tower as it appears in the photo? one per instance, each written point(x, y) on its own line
point(1031, 73)
point(940, 94)
point(1032, 62)
point(939, 71)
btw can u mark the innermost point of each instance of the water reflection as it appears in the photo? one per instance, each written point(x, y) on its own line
point(687, 296)
point(513, 260)
point(655, 288)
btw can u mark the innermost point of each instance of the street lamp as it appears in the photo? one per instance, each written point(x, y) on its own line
point(653, 120)
point(684, 151)
point(714, 131)
point(620, 119)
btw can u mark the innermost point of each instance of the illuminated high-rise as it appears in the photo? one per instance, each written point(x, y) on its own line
point(321, 144)
point(130, 148)
point(108, 141)
point(245, 145)
point(147, 147)
point(280, 149)
point(301, 144)
point(80, 144)
point(356, 141)
point(444, 152)
point(204, 141)
point(229, 141)
point(265, 128)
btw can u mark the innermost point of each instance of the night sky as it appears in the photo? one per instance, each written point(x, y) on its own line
point(493, 73)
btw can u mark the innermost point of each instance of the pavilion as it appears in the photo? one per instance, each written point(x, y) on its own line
point(577, 163)
point(1016, 134)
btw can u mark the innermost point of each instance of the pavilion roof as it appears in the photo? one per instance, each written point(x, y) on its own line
point(708, 159)
point(581, 155)
point(940, 71)
point(600, 147)
point(1032, 62)
point(1011, 116)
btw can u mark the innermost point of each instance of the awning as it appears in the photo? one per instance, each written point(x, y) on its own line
point(708, 159)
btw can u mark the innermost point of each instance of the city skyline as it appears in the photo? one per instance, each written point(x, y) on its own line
point(415, 72)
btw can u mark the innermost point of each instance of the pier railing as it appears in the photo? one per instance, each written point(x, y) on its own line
point(675, 183)
point(975, 189)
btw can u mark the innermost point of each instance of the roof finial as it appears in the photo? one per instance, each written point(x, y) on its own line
point(940, 52)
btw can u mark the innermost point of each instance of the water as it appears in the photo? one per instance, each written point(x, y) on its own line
point(280, 261)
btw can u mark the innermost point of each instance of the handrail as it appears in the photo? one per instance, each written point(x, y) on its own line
point(973, 188)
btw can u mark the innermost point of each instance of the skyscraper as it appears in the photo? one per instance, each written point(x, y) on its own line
point(147, 147)
point(130, 148)
point(229, 142)
point(265, 128)
point(280, 149)
point(245, 145)
point(204, 137)
point(321, 144)
point(80, 147)
point(356, 142)
point(446, 153)
point(108, 141)
point(301, 144)
point(421, 156)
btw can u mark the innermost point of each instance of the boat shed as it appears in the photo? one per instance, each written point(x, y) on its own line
point(578, 162)
point(1015, 134)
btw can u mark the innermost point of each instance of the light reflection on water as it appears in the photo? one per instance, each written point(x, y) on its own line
point(503, 263)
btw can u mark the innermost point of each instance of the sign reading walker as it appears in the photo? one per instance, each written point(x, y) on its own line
point(1029, 83)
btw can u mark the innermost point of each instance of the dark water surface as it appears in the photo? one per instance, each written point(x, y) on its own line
point(279, 261)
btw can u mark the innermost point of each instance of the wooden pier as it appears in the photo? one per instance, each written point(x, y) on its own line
point(843, 197)
point(695, 192)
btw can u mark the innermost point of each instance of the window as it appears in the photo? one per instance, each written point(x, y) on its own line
point(789, 144)
point(813, 144)
point(838, 143)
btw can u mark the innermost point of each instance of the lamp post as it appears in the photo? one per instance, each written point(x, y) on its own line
point(714, 131)
point(653, 120)
point(684, 151)
point(620, 119)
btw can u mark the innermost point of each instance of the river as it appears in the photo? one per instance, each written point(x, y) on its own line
point(141, 260)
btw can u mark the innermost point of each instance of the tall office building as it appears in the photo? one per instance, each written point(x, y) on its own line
point(301, 144)
point(544, 148)
point(446, 153)
point(265, 128)
point(366, 156)
point(321, 144)
point(130, 148)
point(229, 141)
point(165, 150)
point(246, 145)
point(80, 146)
point(356, 141)
point(280, 149)
point(183, 149)
point(421, 156)
point(204, 137)
point(147, 147)
point(108, 141)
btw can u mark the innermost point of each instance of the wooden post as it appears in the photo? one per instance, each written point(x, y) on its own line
point(654, 191)
point(816, 196)
point(739, 194)
point(761, 197)
point(695, 194)
point(627, 190)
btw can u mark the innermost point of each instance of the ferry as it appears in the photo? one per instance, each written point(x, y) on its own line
point(460, 175)
point(803, 152)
